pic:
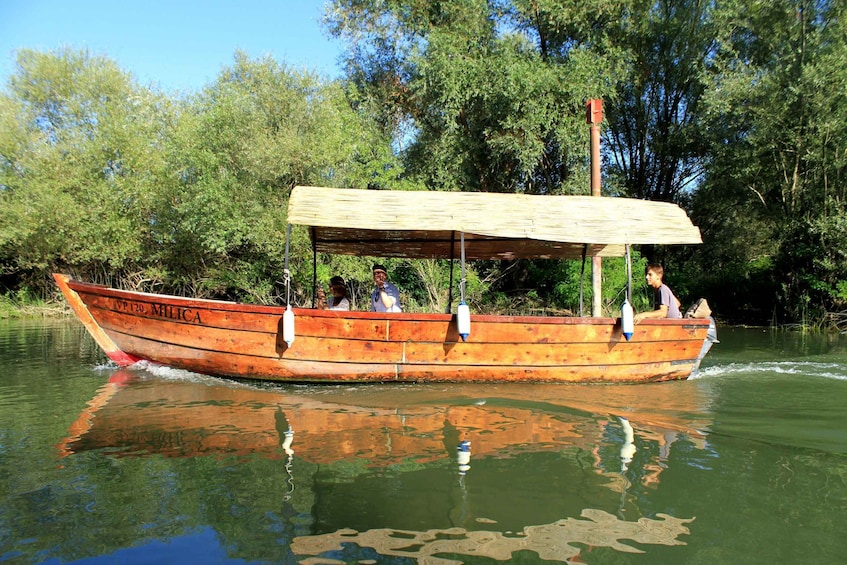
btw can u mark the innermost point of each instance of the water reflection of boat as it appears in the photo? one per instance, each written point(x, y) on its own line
point(134, 415)
point(467, 469)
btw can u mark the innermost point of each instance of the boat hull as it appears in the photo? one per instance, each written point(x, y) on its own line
point(245, 341)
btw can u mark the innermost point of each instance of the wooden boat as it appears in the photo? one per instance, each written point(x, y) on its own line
point(247, 341)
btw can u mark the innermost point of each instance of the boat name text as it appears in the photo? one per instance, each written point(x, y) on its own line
point(159, 310)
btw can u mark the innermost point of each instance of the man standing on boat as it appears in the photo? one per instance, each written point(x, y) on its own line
point(386, 296)
point(666, 304)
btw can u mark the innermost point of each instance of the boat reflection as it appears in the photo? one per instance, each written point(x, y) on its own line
point(371, 464)
point(137, 413)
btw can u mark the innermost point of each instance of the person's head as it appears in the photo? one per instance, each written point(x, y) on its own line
point(654, 275)
point(380, 274)
point(337, 286)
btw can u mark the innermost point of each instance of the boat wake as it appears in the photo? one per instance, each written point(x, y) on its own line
point(166, 373)
point(170, 374)
point(836, 371)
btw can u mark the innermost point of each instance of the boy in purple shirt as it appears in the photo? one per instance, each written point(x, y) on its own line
point(667, 306)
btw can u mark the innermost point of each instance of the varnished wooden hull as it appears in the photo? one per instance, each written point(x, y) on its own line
point(245, 341)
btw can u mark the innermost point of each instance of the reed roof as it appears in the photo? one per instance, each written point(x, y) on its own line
point(427, 224)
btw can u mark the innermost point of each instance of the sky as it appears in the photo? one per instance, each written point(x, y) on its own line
point(175, 45)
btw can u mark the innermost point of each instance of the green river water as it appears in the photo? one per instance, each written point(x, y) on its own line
point(747, 463)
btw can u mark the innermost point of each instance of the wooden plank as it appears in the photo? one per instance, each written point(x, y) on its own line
point(401, 327)
point(248, 366)
point(549, 355)
point(495, 330)
point(245, 366)
point(121, 358)
point(332, 349)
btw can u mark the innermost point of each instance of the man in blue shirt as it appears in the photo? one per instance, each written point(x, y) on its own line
point(386, 296)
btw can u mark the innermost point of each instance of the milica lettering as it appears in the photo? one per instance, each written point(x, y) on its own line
point(176, 313)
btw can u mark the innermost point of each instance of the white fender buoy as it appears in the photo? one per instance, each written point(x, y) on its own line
point(288, 326)
point(627, 324)
point(628, 448)
point(464, 456)
point(463, 317)
point(289, 439)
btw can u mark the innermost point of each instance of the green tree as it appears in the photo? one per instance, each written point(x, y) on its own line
point(654, 137)
point(117, 184)
point(79, 149)
point(237, 150)
point(481, 95)
point(774, 196)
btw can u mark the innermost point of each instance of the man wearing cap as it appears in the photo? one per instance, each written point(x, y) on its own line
point(386, 296)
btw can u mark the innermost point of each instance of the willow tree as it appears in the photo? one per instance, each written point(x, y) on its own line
point(80, 152)
point(237, 150)
point(774, 196)
point(120, 184)
point(482, 95)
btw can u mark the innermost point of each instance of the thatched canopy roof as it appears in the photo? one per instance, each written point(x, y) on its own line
point(426, 224)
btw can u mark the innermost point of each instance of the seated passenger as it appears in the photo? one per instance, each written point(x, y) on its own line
point(339, 299)
point(665, 303)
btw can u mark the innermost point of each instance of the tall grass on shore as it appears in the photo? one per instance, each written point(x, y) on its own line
point(837, 321)
point(22, 304)
point(828, 322)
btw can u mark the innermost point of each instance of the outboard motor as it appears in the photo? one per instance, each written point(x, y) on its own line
point(711, 339)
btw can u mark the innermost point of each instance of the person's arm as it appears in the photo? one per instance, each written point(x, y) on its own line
point(661, 312)
point(390, 297)
point(321, 298)
point(387, 300)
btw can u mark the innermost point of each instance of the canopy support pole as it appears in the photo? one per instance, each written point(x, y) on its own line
point(286, 273)
point(288, 315)
point(594, 116)
point(582, 280)
point(628, 274)
point(462, 280)
point(314, 269)
point(452, 264)
point(463, 313)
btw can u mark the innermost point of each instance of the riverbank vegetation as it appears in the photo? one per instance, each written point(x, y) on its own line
point(736, 111)
point(24, 305)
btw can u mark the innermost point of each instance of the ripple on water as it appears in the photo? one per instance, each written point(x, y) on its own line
point(836, 371)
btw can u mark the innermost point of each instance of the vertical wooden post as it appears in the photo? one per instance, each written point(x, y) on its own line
point(594, 116)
